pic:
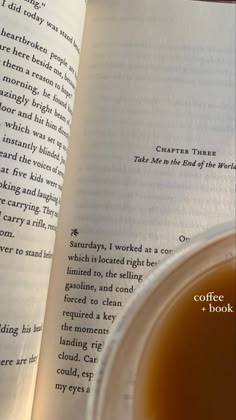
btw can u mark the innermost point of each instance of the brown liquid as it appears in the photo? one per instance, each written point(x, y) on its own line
point(188, 372)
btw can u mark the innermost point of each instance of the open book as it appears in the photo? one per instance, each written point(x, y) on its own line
point(149, 118)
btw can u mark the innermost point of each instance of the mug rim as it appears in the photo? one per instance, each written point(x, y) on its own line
point(152, 281)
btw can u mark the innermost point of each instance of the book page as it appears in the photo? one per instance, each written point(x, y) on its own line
point(39, 55)
point(151, 164)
